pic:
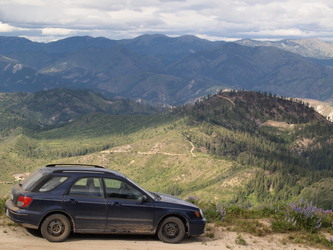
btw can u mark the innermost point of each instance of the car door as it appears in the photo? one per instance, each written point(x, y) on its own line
point(86, 203)
point(128, 209)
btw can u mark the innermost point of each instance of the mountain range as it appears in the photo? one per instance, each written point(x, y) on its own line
point(168, 70)
point(312, 48)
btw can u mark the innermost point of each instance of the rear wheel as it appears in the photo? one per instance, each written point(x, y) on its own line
point(56, 228)
point(171, 230)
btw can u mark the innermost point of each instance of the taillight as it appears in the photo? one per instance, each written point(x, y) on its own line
point(23, 201)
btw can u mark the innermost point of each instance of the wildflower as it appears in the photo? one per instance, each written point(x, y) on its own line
point(221, 210)
point(305, 215)
point(192, 199)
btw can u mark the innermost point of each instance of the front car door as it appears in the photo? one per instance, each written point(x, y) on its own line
point(86, 203)
point(129, 209)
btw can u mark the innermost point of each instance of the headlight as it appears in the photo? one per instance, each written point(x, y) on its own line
point(199, 214)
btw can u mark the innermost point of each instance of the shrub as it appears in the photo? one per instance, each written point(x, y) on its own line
point(304, 215)
point(282, 226)
point(241, 241)
point(193, 199)
point(214, 212)
point(2, 205)
point(327, 219)
point(270, 210)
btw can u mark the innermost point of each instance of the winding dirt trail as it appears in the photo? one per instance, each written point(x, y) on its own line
point(228, 99)
point(192, 149)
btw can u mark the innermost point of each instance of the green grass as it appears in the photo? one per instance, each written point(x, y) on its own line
point(97, 125)
point(241, 241)
point(2, 205)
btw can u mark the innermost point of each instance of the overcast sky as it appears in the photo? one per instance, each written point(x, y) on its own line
point(47, 20)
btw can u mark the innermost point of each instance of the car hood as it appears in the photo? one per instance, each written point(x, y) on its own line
point(175, 200)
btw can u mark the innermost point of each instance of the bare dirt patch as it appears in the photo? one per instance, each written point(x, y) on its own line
point(276, 124)
point(16, 237)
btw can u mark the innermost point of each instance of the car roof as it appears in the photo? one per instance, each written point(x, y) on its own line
point(80, 168)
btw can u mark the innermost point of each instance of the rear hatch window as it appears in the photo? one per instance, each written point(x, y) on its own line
point(32, 179)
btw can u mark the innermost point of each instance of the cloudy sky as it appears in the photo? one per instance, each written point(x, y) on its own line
point(47, 20)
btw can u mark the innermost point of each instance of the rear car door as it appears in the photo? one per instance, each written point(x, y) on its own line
point(86, 204)
point(128, 209)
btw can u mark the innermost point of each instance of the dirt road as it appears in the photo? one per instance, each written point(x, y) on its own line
point(18, 238)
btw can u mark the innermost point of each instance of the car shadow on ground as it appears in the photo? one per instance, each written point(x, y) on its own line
point(91, 237)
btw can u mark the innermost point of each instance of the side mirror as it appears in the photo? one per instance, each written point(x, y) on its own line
point(143, 199)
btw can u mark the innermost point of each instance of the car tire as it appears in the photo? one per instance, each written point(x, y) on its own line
point(56, 228)
point(171, 230)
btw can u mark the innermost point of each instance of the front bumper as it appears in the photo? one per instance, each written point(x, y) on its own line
point(197, 227)
point(18, 215)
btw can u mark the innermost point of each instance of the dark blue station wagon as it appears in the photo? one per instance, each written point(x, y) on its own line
point(62, 198)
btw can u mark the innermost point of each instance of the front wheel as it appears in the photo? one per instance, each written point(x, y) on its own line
point(171, 230)
point(56, 228)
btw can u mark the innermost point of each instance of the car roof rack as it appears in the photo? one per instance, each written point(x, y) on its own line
point(72, 165)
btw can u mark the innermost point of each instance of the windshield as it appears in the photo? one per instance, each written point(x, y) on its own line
point(142, 189)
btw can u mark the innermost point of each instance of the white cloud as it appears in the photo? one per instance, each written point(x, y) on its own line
point(23, 2)
point(4, 27)
point(278, 32)
point(57, 31)
point(126, 18)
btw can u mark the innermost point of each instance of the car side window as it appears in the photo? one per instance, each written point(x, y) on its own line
point(87, 187)
point(121, 190)
point(52, 183)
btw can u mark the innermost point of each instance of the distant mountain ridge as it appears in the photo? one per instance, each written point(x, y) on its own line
point(324, 108)
point(305, 47)
point(166, 70)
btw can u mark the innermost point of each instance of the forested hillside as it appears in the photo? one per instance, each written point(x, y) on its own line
point(290, 143)
point(242, 147)
point(56, 107)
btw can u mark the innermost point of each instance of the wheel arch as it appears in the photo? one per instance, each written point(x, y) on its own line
point(180, 216)
point(58, 212)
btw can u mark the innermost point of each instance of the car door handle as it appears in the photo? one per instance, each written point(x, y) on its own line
point(72, 201)
point(116, 204)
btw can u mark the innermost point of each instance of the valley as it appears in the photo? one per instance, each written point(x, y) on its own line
point(240, 128)
point(243, 147)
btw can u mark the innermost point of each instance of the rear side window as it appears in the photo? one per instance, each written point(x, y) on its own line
point(87, 187)
point(52, 183)
point(33, 178)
